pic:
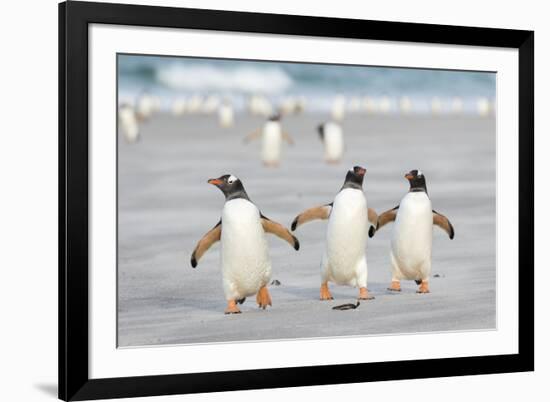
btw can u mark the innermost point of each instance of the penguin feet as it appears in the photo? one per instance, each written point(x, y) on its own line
point(395, 286)
point(364, 294)
point(232, 307)
point(263, 298)
point(325, 293)
point(424, 287)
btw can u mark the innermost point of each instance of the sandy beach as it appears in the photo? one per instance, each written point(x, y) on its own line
point(165, 206)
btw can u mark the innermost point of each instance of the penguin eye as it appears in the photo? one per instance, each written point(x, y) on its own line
point(231, 179)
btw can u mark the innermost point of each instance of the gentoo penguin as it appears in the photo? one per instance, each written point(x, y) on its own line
point(333, 138)
point(225, 115)
point(411, 244)
point(246, 265)
point(272, 137)
point(338, 108)
point(129, 123)
point(349, 220)
point(145, 107)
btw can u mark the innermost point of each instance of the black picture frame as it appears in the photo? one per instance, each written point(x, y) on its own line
point(74, 18)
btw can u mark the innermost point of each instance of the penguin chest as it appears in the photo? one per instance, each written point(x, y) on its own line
point(271, 141)
point(334, 142)
point(244, 250)
point(412, 233)
point(347, 231)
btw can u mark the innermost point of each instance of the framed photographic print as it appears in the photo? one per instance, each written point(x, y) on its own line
point(257, 200)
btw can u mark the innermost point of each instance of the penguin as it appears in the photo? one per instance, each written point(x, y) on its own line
point(246, 265)
point(333, 138)
point(178, 106)
point(411, 243)
point(225, 115)
point(145, 107)
point(272, 137)
point(129, 123)
point(338, 108)
point(349, 220)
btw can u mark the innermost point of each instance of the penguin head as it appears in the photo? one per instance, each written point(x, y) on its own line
point(416, 180)
point(354, 177)
point(230, 186)
point(321, 131)
point(275, 116)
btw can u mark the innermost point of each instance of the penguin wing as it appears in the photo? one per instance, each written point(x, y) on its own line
point(386, 217)
point(252, 136)
point(211, 237)
point(279, 230)
point(287, 138)
point(443, 222)
point(322, 212)
point(373, 220)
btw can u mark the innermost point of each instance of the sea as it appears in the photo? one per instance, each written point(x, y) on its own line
point(318, 85)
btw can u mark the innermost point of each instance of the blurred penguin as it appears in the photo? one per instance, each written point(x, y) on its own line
point(333, 138)
point(129, 123)
point(145, 107)
point(226, 117)
point(405, 105)
point(456, 105)
point(436, 105)
point(483, 107)
point(338, 108)
point(272, 137)
point(178, 107)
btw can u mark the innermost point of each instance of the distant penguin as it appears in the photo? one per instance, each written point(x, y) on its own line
point(349, 220)
point(272, 136)
point(246, 266)
point(483, 107)
point(226, 117)
point(436, 105)
point(385, 105)
point(333, 138)
point(129, 123)
point(145, 107)
point(338, 108)
point(405, 105)
point(411, 244)
point(456, 105)
point(178, 107)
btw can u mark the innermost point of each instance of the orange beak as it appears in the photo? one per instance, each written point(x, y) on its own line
point(409, 176)
point(215, 182)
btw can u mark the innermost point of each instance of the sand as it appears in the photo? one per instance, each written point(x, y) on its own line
point(165, 206)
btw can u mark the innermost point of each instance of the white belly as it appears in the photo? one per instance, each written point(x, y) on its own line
point(245, 258)
point(347, 237)
point(411, 243)
point(271, 142)
point(334, 142)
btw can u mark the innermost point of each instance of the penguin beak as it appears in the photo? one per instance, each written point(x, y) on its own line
point(215, 182)
point(409, 176)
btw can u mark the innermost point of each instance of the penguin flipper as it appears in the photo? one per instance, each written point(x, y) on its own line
point(211, 237)
point(386, 217)
point(252, 136)
point(443, 222)
point(287, 138)
point(311, 214)
point(280, 231)
point(373, 220)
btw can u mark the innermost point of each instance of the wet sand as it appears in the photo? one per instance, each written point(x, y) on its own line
point(165, 206)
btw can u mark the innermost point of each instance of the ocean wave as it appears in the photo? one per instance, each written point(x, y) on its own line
point(211, 78)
